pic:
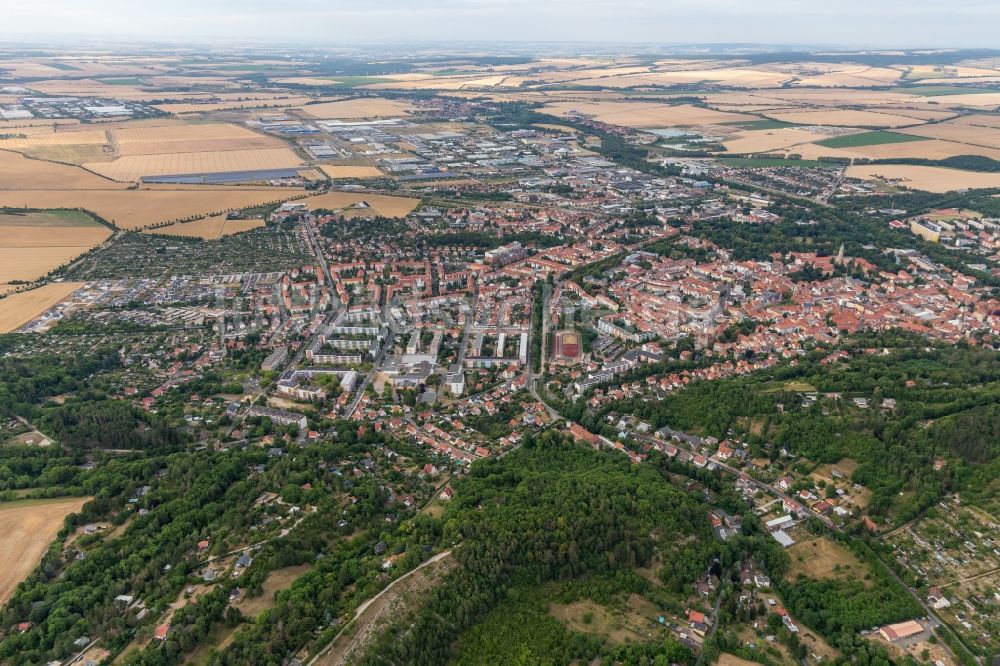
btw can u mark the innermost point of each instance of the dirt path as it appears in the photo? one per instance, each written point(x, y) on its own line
point(367, 616)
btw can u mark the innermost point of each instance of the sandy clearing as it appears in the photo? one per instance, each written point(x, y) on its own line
point(277, 580)
point(822, 558)
point(726, 659)
point(929, 179)
point(18, 309)
point(210, 228)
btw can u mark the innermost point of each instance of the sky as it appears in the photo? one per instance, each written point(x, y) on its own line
point(845, 23)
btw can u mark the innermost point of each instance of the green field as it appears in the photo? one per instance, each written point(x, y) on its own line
point(17, 217)
point(764, 124)
point(761, 162)
point(63, 66)
point(873, 138)
point(938, 91)
point(354, 81)
point(125, 81)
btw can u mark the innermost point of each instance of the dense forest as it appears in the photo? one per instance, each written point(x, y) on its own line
point(567, 520)
point(946, 405)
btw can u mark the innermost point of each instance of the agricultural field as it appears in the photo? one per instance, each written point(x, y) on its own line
point(337, 171)
point(19, 308)
point(18, 172)
point(644, 115)
point(768, 140)
point(26, 530)
point(209, 106)
point(927, 178)
point(932, 149)
point(367, 107)
point(136, 209)
point(210, 228)
point(132, 168)
point(980, 134)
point(867, 139)
point(843, 118)
point(953, 553)
point(34, 243)
point(130, 150)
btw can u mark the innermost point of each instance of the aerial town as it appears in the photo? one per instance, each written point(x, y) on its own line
point(300, 356)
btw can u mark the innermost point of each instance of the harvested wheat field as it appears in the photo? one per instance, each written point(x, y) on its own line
point(134, 209)
point(973, 135)
point(368, 107)
point(190, 139)
point(36, 139)
point(988, 101)
point(977, 120)
point(380, 204)
point(18, 309)
point(335, 171)
point(210, 228)
point(929, 179)
point(133, 167)
point(32, 244)
point(182, 108)
point(931, 149)
point(644, 114)
point(843, 118)
point(20, 173)
point(27, 528)
point(763, 141)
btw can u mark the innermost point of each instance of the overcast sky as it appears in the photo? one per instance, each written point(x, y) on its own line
point(884, 23)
